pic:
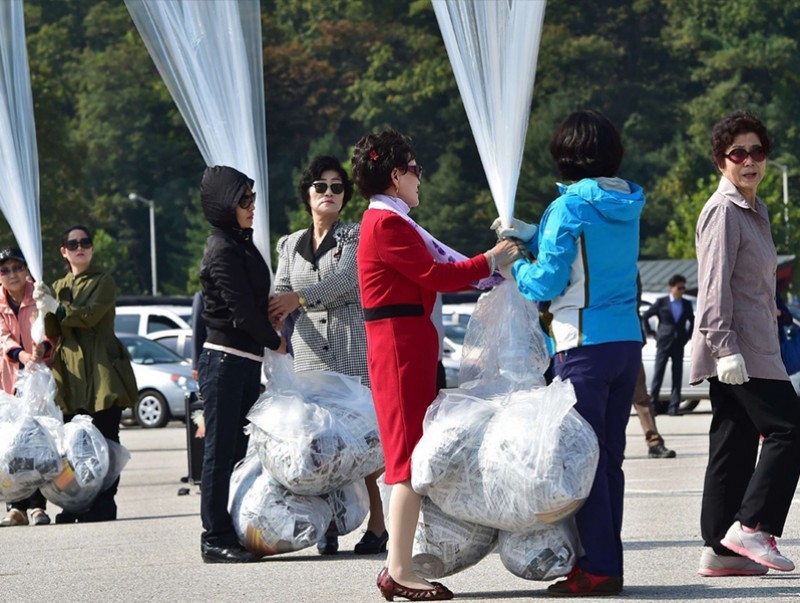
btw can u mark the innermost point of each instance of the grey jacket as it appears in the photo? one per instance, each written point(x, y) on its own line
point(736, 266)
point(329, 334)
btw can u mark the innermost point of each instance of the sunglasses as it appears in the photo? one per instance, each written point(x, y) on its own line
point(16, 269)
point(84, 243)
point(739, 155)
point(247, 201)
point(681, 288)
point(415, 169)
point(337, 188)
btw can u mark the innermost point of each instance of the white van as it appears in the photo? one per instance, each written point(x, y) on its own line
point(143, 320)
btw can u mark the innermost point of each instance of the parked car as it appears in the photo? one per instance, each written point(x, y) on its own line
point(178, 340)
point(163, 378)
point(146, 319)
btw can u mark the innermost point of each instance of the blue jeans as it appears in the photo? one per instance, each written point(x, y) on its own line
point(604, 377)
point(229, 385)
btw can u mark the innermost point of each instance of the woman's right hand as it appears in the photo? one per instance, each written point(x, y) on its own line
point(505, 253)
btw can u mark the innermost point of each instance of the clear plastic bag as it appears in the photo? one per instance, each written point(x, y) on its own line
point(315, 432)
point(29, 457)
point(504, 348)
point(267, 518)
point(444, 545)
point(538, 458)
point(36, 388)
point(86, 463)
point(545, 553)
point(118, 457)
point(349, 506)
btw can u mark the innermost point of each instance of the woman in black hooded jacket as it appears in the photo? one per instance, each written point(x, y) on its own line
point(236, 286)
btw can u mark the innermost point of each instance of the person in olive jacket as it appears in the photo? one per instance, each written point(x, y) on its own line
point(236, 288)
point(91, 367)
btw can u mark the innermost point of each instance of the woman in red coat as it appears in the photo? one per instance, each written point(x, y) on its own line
point(400, 269)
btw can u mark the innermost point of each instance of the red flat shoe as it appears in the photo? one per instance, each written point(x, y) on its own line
point(580, 583)
point(391, 589)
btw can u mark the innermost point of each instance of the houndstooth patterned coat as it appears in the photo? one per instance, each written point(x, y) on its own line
point(329, 333)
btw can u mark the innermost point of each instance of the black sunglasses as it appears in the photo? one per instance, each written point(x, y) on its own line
point(16, 268)
point(337, 188)
point(739, 155)
point(84, 243)
point(415, 169)
point(247, 201)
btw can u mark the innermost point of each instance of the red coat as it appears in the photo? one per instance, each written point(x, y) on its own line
point(396, 269)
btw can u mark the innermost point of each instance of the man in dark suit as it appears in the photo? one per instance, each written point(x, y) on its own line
point(675, 324)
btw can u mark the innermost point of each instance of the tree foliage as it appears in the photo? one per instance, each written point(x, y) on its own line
point(662, 70)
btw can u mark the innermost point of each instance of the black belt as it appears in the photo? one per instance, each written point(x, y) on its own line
point(394, 311)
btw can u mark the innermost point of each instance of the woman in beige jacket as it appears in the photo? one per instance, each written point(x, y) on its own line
point(735, 346)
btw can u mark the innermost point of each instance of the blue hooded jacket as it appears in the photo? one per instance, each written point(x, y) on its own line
point(586, 251)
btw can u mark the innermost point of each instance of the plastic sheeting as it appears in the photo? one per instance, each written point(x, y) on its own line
point(28, 458)
point(493, 47)
point(209, 54)
point(19, 167)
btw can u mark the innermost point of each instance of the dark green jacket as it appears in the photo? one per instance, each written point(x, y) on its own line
point(91, 366)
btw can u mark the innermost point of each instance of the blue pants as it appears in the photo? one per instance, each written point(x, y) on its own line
point(229, 385)
point(604, 377)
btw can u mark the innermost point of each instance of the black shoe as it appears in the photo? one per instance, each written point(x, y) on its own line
point(329, 545)
point(101, 510)
point(233, 553)
point(659, 451)
point(66, 517)
point(370, 544)
point(675, 413)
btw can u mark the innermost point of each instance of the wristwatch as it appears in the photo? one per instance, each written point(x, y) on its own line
point(301, 300)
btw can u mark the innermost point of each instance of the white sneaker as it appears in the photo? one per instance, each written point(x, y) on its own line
point(758, 546)
point(715, 566)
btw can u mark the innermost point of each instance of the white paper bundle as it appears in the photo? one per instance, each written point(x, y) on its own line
point(545, 553)
point(86, 463)
point(29, 457)
point(444, 545)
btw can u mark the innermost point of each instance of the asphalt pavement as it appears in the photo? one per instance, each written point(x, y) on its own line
point(152, 552)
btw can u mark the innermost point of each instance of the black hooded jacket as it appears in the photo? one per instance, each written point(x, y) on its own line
point(234, 276)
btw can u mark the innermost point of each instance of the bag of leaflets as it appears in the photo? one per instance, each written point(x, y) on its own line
point(444, 545)
point(504, 451)
point(267, 518)
point(545, 553)
point(316, 433)
point(86, 462)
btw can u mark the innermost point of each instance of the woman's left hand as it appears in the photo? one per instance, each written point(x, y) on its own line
point(283, 304)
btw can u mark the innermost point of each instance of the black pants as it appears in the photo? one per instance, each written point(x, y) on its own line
point(229, 385)
point(736, 488)
point(674, 353)
point(34, 501)
point(107, 423)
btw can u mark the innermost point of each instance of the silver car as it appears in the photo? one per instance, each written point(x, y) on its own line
point(163, 378)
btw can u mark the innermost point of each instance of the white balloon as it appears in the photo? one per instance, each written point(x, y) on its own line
point(19, 168)
point(493, 47)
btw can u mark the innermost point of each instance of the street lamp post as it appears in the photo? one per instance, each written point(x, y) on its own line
point(151, 205)
point(785, 173)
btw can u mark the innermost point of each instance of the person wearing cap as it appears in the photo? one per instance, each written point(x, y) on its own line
point(17, 313)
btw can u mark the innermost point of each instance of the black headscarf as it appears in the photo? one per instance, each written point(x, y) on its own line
point(220, 190)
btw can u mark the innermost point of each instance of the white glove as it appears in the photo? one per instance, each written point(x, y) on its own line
point(40, 290)
point(518, 230)
point(46, 304)
point(731, 370)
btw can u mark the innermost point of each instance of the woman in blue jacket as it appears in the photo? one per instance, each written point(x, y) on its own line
point(586, 249)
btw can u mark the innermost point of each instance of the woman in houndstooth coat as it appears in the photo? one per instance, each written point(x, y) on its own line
point(317, 277)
